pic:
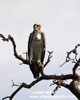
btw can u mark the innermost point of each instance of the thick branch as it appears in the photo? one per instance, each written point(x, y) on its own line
point(14, 93)
point(73, 87)
point(45, 77)
point(75, 67)
point(59, 83)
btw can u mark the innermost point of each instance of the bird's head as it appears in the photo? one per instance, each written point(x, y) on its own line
point(37, 27)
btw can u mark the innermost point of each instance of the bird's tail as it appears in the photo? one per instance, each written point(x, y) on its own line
point(35, 70)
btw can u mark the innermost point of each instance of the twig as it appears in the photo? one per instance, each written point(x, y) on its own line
point(57, 87)
point(49, 57)
point(68, 58)
point(14, 84)
point(59, 83)
point(26, 55)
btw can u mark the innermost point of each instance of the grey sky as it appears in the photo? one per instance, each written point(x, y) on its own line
point(60, 20)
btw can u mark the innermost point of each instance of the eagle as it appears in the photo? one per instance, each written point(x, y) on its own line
point(36, 49)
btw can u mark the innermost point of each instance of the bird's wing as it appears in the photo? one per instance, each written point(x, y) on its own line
point(29, 44)
point(44, 47)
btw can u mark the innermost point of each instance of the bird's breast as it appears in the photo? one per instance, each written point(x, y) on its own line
point(37, 36)
point(37, 42)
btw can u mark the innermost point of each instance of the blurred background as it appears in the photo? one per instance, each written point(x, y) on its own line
point(60, 20)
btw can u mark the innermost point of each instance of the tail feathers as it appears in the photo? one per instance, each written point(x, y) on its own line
point(36, 75)
point(35, 70)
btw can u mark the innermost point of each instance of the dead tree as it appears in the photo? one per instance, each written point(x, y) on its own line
point(57, 79)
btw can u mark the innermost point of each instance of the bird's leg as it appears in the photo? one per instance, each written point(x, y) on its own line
point(41, 67)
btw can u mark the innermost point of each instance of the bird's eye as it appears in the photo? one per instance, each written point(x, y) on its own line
point(36, 26)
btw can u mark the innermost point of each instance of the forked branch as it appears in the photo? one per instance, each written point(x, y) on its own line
point(68, 58)
point(25, 61)
point(49, 57)
point(59, 83)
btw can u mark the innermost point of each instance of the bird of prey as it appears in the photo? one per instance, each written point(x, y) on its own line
point(36, 49)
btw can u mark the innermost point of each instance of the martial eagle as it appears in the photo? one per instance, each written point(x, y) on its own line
point(36, 49)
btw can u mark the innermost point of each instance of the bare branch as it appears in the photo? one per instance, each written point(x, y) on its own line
point(74, 88)
point(76, 66)
point(23, 85)
point(14, 84)
point(57, 87)
point(26, 55)
point(3, 38)
point(45, 77)
point(59, 83)
point(25, 61)
point(68, 58)
point(49, 57)
point(5, 97)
